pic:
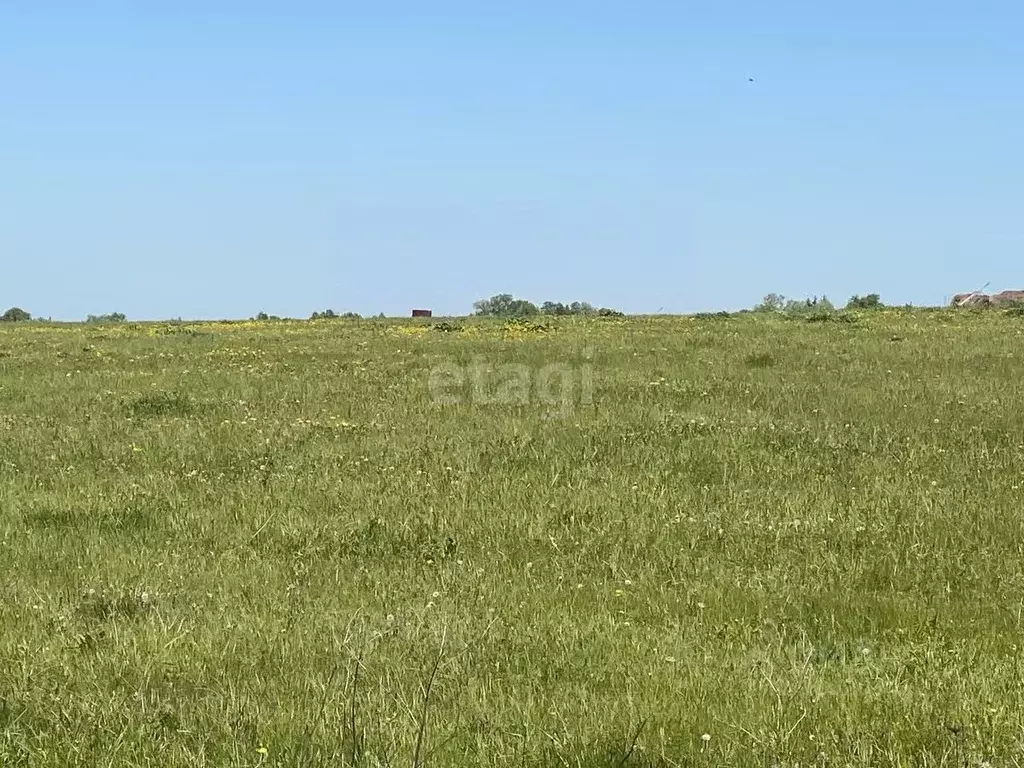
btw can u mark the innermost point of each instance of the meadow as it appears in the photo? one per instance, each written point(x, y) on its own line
point(753, 541)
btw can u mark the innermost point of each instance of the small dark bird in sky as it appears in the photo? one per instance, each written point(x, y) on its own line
point(750, 79)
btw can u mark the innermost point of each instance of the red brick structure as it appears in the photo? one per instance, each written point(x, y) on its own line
point(422, 313)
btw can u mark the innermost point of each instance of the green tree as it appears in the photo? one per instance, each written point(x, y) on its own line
point(871, 301)
point(113, 317)
point(505, 305)
point(575, 308)
point(15, 315)
point(773, 302)
point(554, 308)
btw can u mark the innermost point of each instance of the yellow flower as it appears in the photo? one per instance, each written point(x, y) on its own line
point(262, 750)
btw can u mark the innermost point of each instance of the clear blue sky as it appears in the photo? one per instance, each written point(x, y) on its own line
point(215, 159)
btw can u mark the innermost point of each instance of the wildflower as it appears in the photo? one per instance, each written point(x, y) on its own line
point(706, 738)
point(261, 750)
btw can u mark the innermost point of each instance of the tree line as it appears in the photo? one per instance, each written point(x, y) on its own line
point(775, 302)
point(19, 315)
point(506, 305)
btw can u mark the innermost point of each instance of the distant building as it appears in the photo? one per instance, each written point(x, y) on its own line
point(978, 299)
point(1009, 297)
point(422, 313)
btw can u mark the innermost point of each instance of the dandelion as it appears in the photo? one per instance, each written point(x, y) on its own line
point(706, 738)
point(261, 750)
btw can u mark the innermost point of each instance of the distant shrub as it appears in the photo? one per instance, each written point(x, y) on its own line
point(575, 308)
point(15, 315)
point(113, 317)
point(712, 315)
point(264, 316)
point(773, 302)
point(776, 302)
point(584, 308)
point(813, 306)
point(1016, 311)
point(330, 314)
point(505, 305)
point(446, 327)
point(871, 301)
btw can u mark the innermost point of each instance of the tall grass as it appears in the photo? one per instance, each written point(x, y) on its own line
point(762, 543)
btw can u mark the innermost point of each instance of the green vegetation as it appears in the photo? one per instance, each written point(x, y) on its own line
point(506, 305)
point(15, 315)
point(330, 314)
point(761, 543)
point(113, 317)
point(871, 301)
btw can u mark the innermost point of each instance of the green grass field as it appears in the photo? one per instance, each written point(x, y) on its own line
point(761, 542)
